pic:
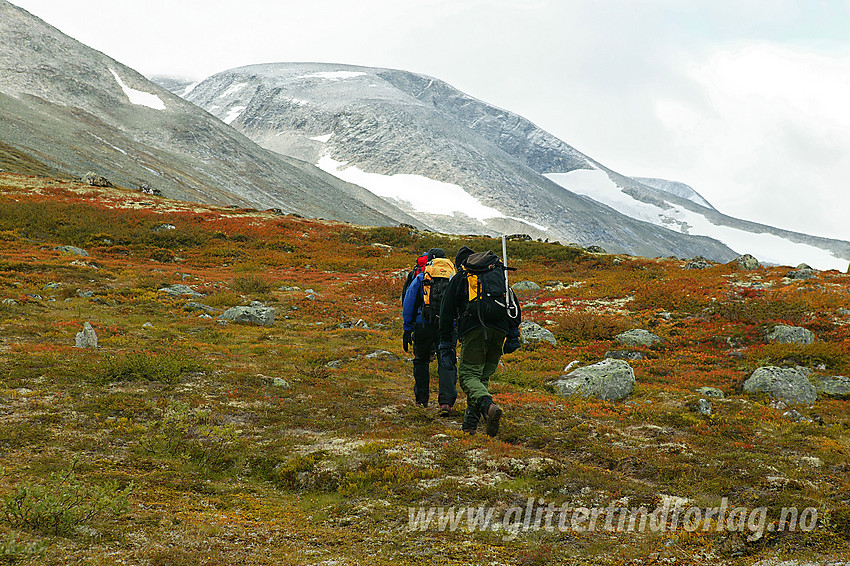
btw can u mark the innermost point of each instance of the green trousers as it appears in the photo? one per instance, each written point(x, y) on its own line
point(479, 358)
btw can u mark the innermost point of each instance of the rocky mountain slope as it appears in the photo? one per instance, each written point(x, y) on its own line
point(395, 131)
point(74, 110)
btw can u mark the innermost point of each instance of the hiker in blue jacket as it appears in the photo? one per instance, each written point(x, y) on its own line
point(420, 317)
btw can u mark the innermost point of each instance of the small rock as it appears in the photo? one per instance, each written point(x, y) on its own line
point(710, 392)
point(785, 384)
point(637, 337)
point(86, 338)
point(745, 262)
point(257, 313)
point(699, 263)
point(74, 250)
point(179, 290)
point(51, 287)
point(361, 324)
point(702, 407)
point(665, 315)
point(9, 302)
point(533, 333)
point(96, 180)
point(280, 382)
point(381, 355)
point(624, 355)
point(795, 416)
point(595, 249)
point(147, 325)
point(844, 312)
point(334, 364)
point(163, 227)
point(802, 271)
point(785, 334)
point(193, 306)
point(85, 294)
point(837, 386)
point(525, 286)
point(35, 297)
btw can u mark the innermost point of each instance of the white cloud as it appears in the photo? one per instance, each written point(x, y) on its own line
point(769, 140)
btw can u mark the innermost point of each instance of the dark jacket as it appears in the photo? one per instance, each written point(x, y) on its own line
point(454, 308)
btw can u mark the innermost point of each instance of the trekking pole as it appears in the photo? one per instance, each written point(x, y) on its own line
point(508, 302)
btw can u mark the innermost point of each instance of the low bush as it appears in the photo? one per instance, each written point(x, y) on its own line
point(135, 366)
point(59, 506)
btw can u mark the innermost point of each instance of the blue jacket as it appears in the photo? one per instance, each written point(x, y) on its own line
point(411, 308)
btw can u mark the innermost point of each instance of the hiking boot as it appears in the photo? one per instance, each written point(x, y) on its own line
point(494, 414)
point(470, 421)
point(445, 410)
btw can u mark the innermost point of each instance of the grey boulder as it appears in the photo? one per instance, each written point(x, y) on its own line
point(256, 313)
point(608, 380)
point(533, 333)
point(637, 337)
point(785, 334)
point(785, 384)
point(86, 338)
point(525, 286)
point(180, 290)
point(745, 262)
point(837, 386)
point(74, 250)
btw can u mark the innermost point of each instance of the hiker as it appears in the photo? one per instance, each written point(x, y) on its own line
point(488, 318)
point(420, 315)
point(421, 262)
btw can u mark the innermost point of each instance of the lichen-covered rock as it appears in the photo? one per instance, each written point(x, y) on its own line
point(785, 384)
point(745, 262)
point(525, 286)
point(699, 263)
point(86, 338)
point(624, 355)
point(803, 271)
point(637, 337)
point(608, 380)
point(533, 333)
point(74, 250)
point(96, 180)
point(785, 334)
point(180, 290)
point(837, 386)
point(710, 392)
point(256, 313)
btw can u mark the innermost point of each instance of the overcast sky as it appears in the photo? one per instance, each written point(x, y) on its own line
point(747, 101)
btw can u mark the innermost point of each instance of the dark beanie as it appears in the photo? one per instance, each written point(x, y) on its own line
point(436, 252)
point(461, 256)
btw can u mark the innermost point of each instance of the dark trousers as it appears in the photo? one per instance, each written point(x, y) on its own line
point(426, 338)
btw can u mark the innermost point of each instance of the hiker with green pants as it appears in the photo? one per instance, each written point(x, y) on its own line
point(488, 318)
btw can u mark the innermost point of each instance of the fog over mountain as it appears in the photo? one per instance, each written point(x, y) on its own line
point(461, 165)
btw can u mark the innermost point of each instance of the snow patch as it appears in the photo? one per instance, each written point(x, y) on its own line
point(323, 139)
point(233, 113)
point(189, 88)
point(423, 194)
point(138, 97)
point(767, 248)
point(233, 89)
point(333, 75)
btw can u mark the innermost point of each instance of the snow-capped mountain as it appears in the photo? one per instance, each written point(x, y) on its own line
point(76, 110)
point(461, 165)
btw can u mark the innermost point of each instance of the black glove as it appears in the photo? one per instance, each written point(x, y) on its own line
point(407, 339)
point(446, 355)
point(511, 345)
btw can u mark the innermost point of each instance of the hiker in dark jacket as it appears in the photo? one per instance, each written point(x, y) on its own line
point(421, 328)
point(482, 342)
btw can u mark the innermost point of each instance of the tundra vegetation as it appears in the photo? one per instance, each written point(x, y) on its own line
point(185, 440)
